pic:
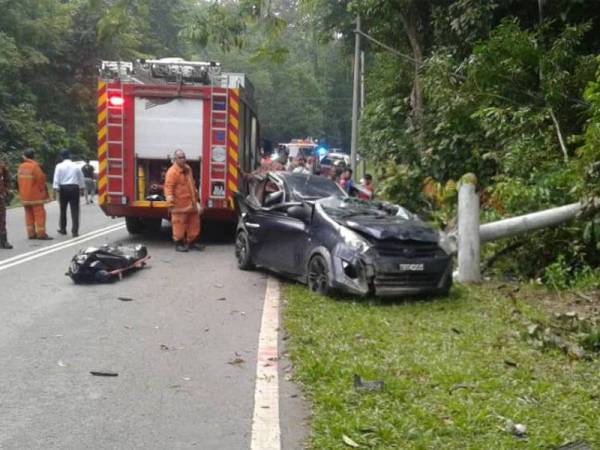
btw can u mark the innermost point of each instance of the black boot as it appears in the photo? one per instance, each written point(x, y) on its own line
point(196, 246)
point(4, 242)
point(181, 246)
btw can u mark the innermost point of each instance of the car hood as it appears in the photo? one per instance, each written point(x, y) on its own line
point(391, 228)
point(378, 220)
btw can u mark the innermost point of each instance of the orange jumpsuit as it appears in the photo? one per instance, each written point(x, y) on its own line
point(4, 187)
point(182, 197)
point(33, 193)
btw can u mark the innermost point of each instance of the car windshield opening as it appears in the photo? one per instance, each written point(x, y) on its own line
point(303, 187)
point(343, 208)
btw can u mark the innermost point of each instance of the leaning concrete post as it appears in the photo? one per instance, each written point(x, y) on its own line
point(468, 231)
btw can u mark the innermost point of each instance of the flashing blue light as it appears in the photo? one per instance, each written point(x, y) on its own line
point(322, 151)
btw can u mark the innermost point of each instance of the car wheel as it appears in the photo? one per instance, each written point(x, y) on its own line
point(318, 275)
point(242, 251)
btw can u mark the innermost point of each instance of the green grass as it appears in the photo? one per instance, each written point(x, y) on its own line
point(444, 363)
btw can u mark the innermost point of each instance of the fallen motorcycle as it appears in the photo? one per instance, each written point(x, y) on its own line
point(106, 263)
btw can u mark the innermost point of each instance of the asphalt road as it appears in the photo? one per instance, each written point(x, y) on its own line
point(191, 316)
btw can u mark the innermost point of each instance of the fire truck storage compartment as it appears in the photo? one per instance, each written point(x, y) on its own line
point(150, 177)
point(163, 125)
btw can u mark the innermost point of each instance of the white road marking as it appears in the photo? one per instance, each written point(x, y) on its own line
point(58, 244)
point(23, 258)
point(266, 434)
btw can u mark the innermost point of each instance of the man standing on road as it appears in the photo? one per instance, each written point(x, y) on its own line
point(68, 181)
point(33, 193)
point(182, 198)
point(90, 184)
point(4, 190)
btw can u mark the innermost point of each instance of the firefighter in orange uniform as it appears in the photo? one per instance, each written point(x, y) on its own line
point(182, 197)
point(33, 192)
point(4, 194)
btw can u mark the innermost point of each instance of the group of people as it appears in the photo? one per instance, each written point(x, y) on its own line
point(364, 190)
point(341, 175)
point(68, 182)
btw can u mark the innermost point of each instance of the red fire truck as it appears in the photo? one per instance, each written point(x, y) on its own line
point(147, 110)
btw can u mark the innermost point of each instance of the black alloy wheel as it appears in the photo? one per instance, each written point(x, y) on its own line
point(242, 251)
point(318, 275)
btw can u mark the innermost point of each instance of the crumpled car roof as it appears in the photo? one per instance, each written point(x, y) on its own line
point(379, 220)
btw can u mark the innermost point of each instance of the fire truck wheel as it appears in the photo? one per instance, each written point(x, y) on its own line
point(151, 225)
point(134, 225)
point(242, 251)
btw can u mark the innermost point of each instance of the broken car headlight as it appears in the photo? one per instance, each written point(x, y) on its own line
point(447, 243)
point(354, 240)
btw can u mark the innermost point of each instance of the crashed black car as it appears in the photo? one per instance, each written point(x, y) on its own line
point(305, 227)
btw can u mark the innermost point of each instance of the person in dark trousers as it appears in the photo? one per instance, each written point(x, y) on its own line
point(68, 182)
point(4, 192)
point(89, 178)
point(182, 198)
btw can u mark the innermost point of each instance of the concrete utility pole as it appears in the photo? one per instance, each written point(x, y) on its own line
point(531, 222)
point(355, 96)
point(468, 231)
point(362, 104)
point(471, 235)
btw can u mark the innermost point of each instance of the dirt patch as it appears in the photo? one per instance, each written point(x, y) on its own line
point(585, 304)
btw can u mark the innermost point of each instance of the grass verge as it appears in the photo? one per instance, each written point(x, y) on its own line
point(457, 371)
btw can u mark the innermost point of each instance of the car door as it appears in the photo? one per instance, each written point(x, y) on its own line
point(288, 237)
point(282, 236)
point(251, 216)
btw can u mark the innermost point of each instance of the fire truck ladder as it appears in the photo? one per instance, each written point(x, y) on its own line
point(219, 117)
point(115, 156)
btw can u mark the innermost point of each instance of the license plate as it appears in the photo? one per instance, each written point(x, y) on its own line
point(412, 267)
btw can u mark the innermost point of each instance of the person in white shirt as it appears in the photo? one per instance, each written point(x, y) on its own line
point(301, 167)
point(68, 182)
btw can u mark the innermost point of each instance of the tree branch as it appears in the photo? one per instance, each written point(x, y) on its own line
point(490, 262)
point(561, 140)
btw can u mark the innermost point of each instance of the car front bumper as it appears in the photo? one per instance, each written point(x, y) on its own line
point(362, 274)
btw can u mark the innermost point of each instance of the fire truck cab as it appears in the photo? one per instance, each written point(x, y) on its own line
point(148, 109)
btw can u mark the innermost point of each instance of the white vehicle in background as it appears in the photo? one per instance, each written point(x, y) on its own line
point(334, 161)
point(334, 156)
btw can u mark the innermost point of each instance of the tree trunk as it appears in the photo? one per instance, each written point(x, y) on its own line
point(416, 95)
